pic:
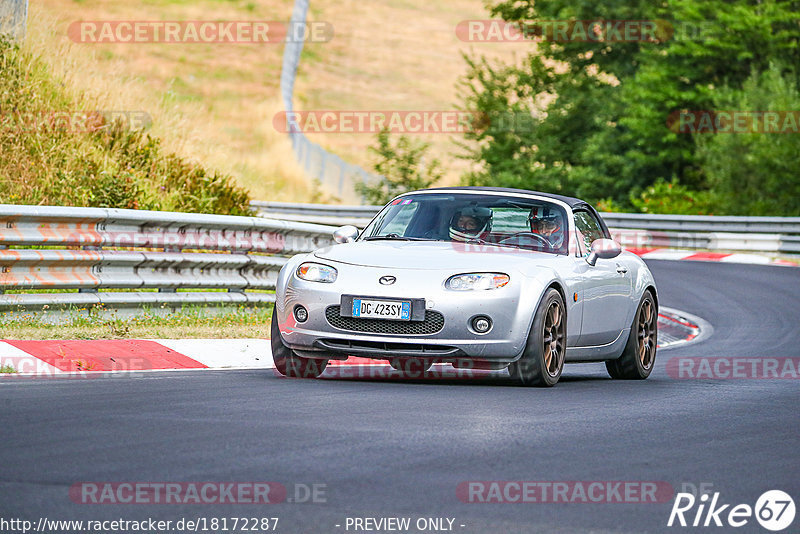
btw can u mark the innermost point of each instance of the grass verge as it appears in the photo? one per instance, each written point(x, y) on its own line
point(209, 102)
point(186, 323)
point(56, 150)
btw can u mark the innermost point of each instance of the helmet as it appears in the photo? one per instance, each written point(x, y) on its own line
point(470, 222)
point(548, 224)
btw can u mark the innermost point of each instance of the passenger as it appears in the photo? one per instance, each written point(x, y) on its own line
point(549, 227)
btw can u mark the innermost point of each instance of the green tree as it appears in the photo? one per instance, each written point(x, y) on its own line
point(401, 166)
point(569, 88)
point(716, 45)
point(601, 109)
point(755, 173)
point(672, 197)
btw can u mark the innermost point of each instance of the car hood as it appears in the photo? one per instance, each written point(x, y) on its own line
point(430, 255)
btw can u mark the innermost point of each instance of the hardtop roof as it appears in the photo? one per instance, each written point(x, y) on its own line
point(570, 201)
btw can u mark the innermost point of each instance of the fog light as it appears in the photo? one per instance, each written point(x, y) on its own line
point(301, 314)
point(481, 324)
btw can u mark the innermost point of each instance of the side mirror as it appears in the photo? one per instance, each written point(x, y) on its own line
point(345, 234)
point(603, 249)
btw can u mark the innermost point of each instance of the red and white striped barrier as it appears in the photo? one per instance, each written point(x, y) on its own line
point(690, 255)
point(56, 358)
point(88, 358)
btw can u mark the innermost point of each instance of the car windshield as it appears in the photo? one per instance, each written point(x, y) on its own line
point(502, 220)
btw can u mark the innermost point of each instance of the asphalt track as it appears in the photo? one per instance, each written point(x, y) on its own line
point(391, 448)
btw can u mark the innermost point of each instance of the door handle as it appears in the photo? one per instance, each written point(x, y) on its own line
point(621, 269)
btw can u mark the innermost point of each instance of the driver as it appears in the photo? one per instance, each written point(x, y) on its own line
point(470, 223)
point(549, 226)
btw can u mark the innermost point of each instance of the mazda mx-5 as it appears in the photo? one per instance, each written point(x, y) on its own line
point(480, 278)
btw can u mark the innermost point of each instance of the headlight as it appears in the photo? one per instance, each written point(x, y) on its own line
point(316, 272)
point(468, 282)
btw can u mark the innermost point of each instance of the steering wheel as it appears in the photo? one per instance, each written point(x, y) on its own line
point(543, 240)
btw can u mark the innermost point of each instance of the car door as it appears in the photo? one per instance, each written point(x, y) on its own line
point(606, 290)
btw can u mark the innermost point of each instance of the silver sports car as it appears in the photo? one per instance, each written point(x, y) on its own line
point(482, 278)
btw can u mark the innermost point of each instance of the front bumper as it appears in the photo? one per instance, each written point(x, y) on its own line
point(318, 337)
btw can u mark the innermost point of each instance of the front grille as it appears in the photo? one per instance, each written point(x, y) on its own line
point(433, 323)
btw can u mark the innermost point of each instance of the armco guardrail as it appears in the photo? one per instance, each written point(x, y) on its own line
point(316, 213)
point(94, 249)
point(702, 232)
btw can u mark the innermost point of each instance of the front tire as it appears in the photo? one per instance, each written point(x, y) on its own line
point(543, 360)
point(639, 354)
point(287, 362)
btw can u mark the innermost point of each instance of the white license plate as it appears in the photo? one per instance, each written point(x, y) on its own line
point(382, 309)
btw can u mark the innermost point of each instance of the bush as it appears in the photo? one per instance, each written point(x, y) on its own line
point(672, 197)
point(105, 165)
point(755, 173)
point(401, 168)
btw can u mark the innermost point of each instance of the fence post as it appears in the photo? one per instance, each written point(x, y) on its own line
point(14, 18)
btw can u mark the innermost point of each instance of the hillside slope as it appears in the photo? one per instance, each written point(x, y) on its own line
point(55, 149)
point(214, 103)
point(208, 102)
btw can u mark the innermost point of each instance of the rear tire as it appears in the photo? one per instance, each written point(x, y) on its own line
point(287, 362)
point(543, 360)
point(411, 367)
point(639, 354)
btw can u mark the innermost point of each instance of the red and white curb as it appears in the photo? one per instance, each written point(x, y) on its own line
point(54, 358)
point(87, 358)
point(673, 254)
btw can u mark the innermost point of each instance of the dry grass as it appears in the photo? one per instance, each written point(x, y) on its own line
point(188, 323)
point(394, 56)
point(212, 103)
point(215, 103)
point(32, 332)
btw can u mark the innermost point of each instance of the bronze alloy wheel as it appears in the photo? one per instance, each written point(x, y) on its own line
point(646, 332)
point(542, 360)
point(639, 354)
point(553, 339)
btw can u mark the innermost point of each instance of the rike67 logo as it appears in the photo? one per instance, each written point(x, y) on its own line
point(774, 510)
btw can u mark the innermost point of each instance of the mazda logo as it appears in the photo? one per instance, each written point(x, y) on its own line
point(387, 280)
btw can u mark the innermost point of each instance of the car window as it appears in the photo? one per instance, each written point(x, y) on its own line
point(394, 219)
point(511, 220)
point(588, 229)
point(401, 217)
point(507, 221)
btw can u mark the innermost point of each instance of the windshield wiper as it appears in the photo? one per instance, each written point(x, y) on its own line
point(395, 237)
